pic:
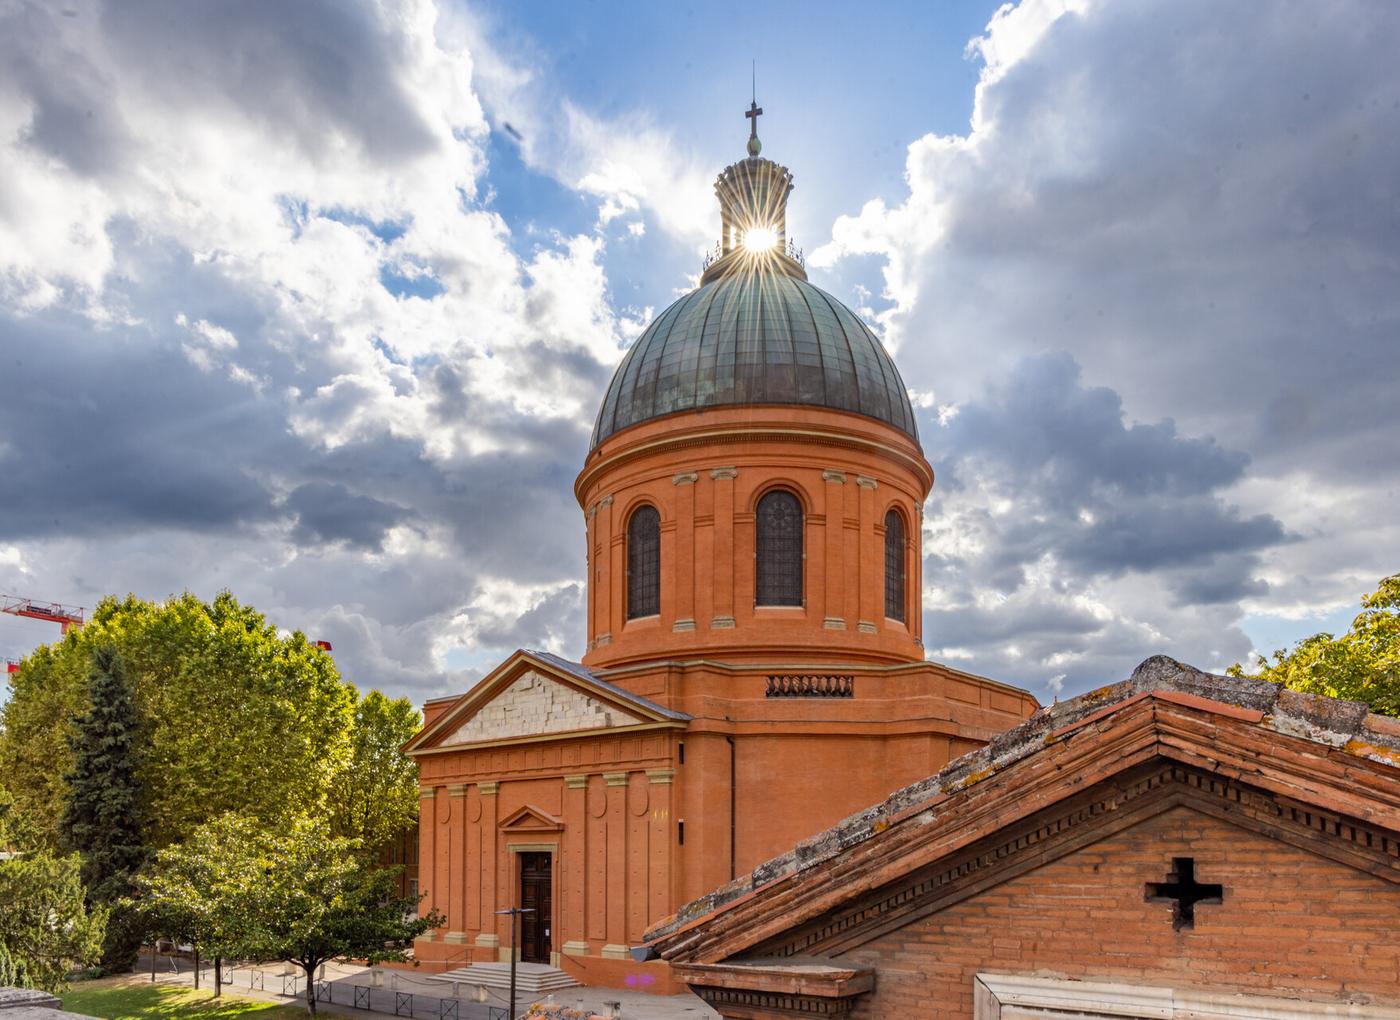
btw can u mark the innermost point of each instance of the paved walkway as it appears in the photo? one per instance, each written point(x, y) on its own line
point(376, 992)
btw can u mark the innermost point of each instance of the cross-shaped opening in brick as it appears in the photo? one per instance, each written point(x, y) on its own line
point(1183, 891)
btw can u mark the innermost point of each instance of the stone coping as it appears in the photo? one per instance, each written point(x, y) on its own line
point(33, 1004)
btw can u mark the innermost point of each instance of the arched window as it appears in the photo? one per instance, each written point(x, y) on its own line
point(894, 566)
point(644, 563)
point(778, 550)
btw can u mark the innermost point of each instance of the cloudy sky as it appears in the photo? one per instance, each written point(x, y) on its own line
point(316, 301)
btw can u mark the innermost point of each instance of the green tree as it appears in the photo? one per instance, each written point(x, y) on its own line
point(1361, 665)
point(190, 896)
point(101, 819)
point(46, 928)
point(300, 895)
point(375, 798)
point(237, 717)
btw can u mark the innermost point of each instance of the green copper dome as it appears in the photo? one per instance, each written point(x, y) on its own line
point(759, 335)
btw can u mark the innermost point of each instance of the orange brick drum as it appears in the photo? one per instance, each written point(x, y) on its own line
point(705, 475)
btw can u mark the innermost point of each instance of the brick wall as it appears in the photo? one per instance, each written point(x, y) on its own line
point(1291, 924)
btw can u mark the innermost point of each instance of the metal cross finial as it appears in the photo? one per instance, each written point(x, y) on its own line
point(754, 111)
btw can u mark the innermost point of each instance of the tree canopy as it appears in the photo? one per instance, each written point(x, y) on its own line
point(102, 817)
point(194, 711)
point(1361, 665)
point(376, 796)
point(235, 716)
point(237, 888)
point(45, 927)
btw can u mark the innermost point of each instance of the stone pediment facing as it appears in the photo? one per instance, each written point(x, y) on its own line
point(534, 704)
point(533, 696)
point(532, 819)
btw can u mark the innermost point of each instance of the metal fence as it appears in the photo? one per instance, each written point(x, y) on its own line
point(379, 997)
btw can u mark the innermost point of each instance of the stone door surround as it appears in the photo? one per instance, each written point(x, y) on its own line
point(1013, 997)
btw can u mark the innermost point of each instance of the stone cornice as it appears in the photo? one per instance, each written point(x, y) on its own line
point(740, 433)
point(788, 665)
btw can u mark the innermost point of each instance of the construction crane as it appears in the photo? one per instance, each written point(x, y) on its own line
point(66, 617)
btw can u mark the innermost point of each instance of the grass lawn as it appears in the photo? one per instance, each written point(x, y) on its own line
point(125, 997)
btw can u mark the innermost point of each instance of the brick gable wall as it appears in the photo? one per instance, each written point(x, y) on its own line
point(1291, 924)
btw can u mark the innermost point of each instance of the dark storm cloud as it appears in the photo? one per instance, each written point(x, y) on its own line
point(319, 70)
point(1103, 496)
point(1090, 500)
point(106, 432)
point(1042, 422)
point(1199, 208)
point(1223, 582)
point(1046, 628)
point(327, 512)
point(74, 120)
point(1169, 533)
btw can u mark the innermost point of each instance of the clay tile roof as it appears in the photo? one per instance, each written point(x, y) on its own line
point(1346, 726)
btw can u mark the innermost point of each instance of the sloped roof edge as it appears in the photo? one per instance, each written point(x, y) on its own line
point(1331, 722)
point(581, 671)
point(549, 661)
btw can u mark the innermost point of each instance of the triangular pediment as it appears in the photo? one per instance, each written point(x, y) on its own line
point(533, 696)
point(532, 819)
point(533, 704)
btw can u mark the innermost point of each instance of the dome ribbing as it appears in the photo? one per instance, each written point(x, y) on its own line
point(757, 335)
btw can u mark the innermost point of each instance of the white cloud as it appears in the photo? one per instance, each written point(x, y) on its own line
point(308, 344)
point(1186, 204)
point(628, 163)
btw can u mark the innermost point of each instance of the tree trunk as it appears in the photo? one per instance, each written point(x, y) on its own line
point(218, 976)
point(196, 968)
point(310, 988)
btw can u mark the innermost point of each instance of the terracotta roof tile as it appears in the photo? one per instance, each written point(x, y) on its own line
point(1331, 722)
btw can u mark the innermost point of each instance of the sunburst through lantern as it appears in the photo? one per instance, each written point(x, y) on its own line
point(760, 239)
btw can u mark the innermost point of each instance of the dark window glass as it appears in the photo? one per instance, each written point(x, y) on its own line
point(644, 563)
point(894, 566)
point(778, 549)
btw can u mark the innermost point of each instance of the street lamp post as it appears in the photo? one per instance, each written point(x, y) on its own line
point(514, 913)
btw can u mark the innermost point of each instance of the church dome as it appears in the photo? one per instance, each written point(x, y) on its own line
point(755, 484)
point(755, 333)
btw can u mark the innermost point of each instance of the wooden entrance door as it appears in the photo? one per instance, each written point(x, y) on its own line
point(536, 887)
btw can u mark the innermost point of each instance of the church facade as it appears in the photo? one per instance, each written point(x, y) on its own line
point(754, 670)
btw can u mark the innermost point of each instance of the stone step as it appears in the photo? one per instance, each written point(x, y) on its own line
point(530, 978)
